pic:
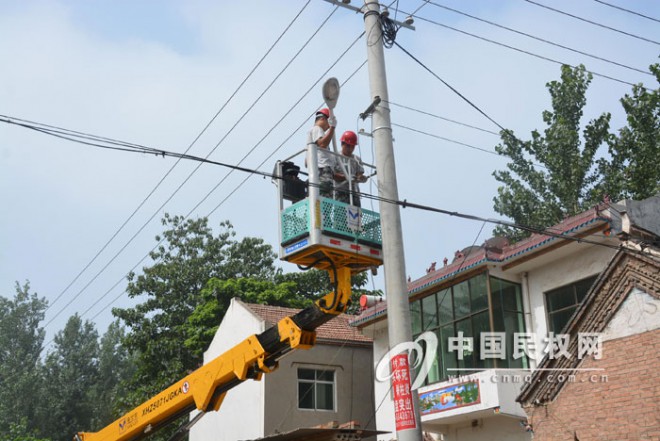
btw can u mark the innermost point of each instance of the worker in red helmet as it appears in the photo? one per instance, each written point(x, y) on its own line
point(347, 187)
point(321, 134)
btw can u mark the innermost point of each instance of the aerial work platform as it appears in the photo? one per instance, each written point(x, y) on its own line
point(321, 232)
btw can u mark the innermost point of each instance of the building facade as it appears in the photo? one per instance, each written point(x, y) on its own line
point(329, 382)
point(488, 319)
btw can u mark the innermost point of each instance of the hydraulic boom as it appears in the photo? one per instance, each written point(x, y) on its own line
point(205, 388)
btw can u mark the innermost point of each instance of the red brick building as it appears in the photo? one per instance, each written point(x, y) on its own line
point(614, 393)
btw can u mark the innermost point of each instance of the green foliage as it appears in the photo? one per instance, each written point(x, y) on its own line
point(189, 256)
point(19, 432)
point(204, 321)
point(21, 342)
point(564, 183)
point(632, 171)
point(71, 374)
point(115, 367)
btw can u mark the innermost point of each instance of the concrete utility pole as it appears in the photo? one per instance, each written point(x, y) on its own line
point(398, 309)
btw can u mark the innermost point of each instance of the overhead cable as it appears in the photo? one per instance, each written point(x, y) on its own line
point(626, 10)
point(155, 213)
point(593, 22)
point(442, 118)
point(561, 63)
point(153, 190)
point(541, 39)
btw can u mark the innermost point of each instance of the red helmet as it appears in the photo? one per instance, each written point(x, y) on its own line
point(323, 112)
point(349, 138)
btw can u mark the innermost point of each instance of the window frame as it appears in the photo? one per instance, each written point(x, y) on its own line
point(574, 306)
point(315, 382)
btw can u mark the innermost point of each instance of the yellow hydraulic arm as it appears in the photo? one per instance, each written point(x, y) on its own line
point(205, 388)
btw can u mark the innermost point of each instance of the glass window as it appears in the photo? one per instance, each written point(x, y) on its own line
point(445, 310)
point(461, 300)
point(429, 313)
point(478, 293)
point(316, 389)
point(416, 317)
point(562, 302)
point(464, 308)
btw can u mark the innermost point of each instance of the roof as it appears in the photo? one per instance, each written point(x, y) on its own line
point(337, 330)
point(625, 271)
point(479, 258)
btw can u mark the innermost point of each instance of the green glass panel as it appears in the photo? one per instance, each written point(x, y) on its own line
point(465, 326)
point(429, 313)
point(445, 310)
point(511, 296)
point(478, 293)
point(481, 325)
point(448, 358)
point(416, 317)
point(306, 374)
point(461, 300)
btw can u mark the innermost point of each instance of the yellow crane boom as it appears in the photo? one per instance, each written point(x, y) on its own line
point(205, 388)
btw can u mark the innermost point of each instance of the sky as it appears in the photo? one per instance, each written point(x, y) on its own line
point(155, 73)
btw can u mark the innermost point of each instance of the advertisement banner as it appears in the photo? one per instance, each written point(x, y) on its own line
point(403, 405)
point(449, 397)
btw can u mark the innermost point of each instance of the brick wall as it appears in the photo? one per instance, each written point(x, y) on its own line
point(625, 406)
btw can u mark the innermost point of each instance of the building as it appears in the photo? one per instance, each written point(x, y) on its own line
point(485, 322)
point(613, 393)
point(330, 382)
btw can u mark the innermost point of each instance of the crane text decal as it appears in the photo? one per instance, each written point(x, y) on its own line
point(183, 389)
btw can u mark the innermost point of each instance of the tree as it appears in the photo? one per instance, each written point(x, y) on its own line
point(21, 342)
point(188, 257)
point(70, 378)
point(115, 366)
point(632, 170)
point(563, 182)
point(19, 432)
point(204, 321)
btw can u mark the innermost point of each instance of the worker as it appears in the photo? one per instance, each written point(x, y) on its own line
point(353, 166)
point(321, 134)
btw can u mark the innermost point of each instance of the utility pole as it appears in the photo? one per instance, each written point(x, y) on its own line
point(408, 423)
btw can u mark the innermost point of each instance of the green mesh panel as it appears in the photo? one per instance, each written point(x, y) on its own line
point(336, 218)
point(295, 221)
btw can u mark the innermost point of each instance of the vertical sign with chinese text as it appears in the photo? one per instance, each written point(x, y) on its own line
point(404, 415)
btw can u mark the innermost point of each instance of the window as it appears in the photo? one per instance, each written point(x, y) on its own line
point(562, 302)
point(316, 389)
point(466, 307)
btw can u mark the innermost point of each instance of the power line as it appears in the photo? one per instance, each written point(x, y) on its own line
point(626, 10)
point(442, 118)
point(458, 142)
point(153, 190)
point(406, 204)
point(561, 63)
point(453, 141)
point(540, 39)
point(250, 171)
point(593, 22)
point(450, 87)
point(205, 160)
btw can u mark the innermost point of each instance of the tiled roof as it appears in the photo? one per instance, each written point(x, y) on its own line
point(336, 330)
point(481, 257)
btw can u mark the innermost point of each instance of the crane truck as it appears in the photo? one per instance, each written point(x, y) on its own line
point(315, 232)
